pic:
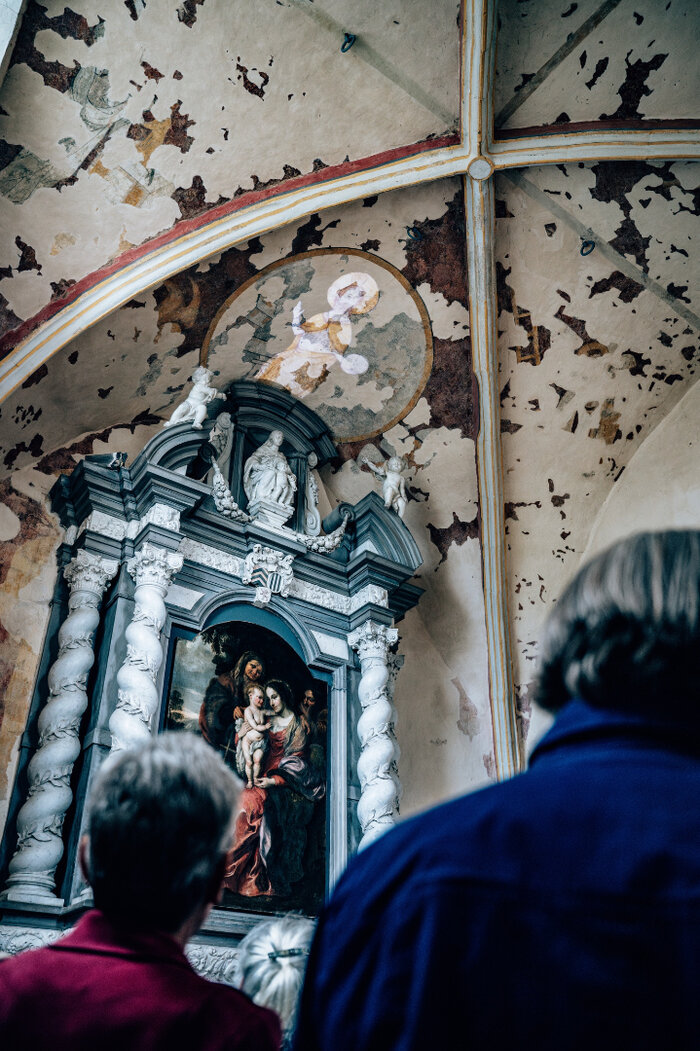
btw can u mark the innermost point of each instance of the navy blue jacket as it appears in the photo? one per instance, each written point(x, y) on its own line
point(558, 910)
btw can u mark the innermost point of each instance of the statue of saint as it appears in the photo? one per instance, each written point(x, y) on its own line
point(267, 475)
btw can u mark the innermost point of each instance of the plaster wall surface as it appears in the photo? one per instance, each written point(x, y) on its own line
point(661, 485)
point(122, 121)
point(595, 351)
point(596, 60)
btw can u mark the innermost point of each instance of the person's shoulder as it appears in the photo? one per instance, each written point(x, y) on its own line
point(26, 969)
point(442, 842)
point(249, 1024)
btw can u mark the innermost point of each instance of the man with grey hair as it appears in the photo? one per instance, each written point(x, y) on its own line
point(159, 828)
point(560, 909)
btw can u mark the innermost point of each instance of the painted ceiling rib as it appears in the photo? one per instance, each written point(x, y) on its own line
point(572, 41)
point(479, 71)
point(610, 144)
point(484, 343)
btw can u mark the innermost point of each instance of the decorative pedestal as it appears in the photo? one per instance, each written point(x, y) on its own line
point(267, 512)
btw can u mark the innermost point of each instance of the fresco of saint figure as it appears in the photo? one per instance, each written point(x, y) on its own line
point(322, 341)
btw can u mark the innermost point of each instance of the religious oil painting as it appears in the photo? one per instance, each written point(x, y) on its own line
point(251, 697)
point(340, 329)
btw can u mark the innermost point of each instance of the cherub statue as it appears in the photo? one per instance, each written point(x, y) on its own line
point(194, 409)
point(393, 486)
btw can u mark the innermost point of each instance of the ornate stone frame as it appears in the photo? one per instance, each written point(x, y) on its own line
point(147, 550)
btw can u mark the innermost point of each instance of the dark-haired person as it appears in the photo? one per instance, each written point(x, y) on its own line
point(159, 828)
point(560, 909)
point(225, 699)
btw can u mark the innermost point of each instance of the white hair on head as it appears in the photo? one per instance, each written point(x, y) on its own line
point(158, 823)
point(271, 964)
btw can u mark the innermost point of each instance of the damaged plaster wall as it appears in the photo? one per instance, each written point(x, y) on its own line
point(596, 60)
point(600, 340)
point(109, 388)
point(104, 110)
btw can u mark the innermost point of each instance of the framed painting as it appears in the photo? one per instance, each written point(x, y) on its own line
point(252, 698)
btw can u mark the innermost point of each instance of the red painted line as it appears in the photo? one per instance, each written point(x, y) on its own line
point(185, 226)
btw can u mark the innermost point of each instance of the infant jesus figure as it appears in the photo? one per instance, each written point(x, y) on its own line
point(252, 730)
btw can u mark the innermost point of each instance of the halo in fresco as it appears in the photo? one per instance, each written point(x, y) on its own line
point(338, 328)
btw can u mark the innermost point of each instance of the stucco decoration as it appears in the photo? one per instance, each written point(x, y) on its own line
point(342, 361)
point(14, 939)
point(380, 788)
point(325, 541)
point(194, 409)
point(223, 497)
point(221, 437)
point(218, 963)
point(312, 518)
point(394, 484)
point(152, 570)
point(40, 820)
point(269, 571)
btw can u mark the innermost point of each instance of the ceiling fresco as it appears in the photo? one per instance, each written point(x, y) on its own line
point(596, 60)
point(123, 122)
point(361, 364)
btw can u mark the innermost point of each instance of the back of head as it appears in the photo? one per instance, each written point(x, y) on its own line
point(625, 634)
point(159, 823)
point(271, 964)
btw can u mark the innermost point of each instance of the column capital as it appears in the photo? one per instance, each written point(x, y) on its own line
point(154, 565)
point(372, 639)
point(89, 572)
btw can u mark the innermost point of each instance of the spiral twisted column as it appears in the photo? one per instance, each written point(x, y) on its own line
point(40, 819)
point(380, 788)
point(152, 570)
point(394, 664)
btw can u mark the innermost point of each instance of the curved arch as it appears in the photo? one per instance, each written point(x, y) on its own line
point(102, 292)
point(228, 606)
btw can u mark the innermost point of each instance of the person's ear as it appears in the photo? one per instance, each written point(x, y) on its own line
point(84, 856)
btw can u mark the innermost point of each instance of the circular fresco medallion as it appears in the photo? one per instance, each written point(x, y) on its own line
point(338, 328)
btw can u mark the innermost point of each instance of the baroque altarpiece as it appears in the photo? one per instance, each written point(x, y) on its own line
point(185, 580)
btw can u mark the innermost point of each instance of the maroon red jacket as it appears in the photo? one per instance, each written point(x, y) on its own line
point(102, 988)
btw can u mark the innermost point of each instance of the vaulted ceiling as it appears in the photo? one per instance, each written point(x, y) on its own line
point(154, 157)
